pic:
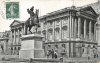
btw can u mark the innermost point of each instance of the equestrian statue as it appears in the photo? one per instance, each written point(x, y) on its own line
point(33, 20)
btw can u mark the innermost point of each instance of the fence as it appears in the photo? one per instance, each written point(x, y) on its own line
point(12, 60)
point(69, 60)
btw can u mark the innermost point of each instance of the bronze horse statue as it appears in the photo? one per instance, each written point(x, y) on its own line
point(33, 20)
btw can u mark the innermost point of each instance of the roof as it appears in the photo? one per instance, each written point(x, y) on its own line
point(95, 6)
point(20, 22)
point(68, 8)
point(57, 12)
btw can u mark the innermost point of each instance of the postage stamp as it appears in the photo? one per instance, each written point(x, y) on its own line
point(12, 10)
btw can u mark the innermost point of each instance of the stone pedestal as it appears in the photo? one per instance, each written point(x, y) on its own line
point(31, 46)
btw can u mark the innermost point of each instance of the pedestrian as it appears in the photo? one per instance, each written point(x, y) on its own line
point(48, 53)
point(55, 55)
point(52, 53)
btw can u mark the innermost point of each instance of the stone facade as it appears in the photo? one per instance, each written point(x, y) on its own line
point(69, 31)
point(96, 7)
point(4, 42)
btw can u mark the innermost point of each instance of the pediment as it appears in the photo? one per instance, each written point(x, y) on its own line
point(89, 10)
point(14, 23)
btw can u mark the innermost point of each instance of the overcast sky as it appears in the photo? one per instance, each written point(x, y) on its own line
point(44, 6)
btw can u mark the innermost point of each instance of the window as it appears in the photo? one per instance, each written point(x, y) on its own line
point(20, 35)
point(49, 46)
point(65, 20)
point(88, 49)
point(56, 46)
point(11, 48)
point(57, 34)
point(50, 36)
point(18, 48)
point(44, 34)
point(63, 52)
point(16, 35)
point(15, 48)
point(64, 32)
point(63, 45)
point(51, 22)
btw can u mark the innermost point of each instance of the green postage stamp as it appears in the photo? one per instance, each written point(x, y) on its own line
point(12, 10)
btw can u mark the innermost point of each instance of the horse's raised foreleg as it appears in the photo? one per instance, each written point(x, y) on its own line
point(30, 29)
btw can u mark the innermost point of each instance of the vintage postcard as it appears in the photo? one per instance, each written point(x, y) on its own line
point(49, 31)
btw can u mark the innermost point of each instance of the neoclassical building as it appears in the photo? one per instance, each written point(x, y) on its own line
point(71, 31)
point(17, 30)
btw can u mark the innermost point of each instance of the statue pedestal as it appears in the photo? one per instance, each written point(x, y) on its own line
point(31, 47)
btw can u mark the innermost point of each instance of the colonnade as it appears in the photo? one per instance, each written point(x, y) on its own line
point(15, 35)
point(83, 29)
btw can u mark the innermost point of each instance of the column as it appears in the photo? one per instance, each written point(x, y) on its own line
point(79, 27)
point(14, 36)
point(85, 29)
point(90, 30)
point(18, 36)
point(53, 31)
point(13, 50)
point(47, 32)
point(11, 41)
point(5, 46)
point(94, 31)
point(11, 36)
point(14, 40)
point(61, 30)
point(72, 27)
point(70, 18)
point(22, 30)
point(72, 49)
point(69, 27)
point(75, 28)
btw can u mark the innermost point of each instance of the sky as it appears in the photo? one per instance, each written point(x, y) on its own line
point(44, 6)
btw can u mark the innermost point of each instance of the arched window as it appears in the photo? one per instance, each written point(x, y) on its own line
point(56, 48)
point(57, 34)
point(64, 32)
point(82, 49)
point(50, 36)
point(88, 49)
point(49, 46)
point(18, 48)
point(63, 45)
point(11, 48)
point(44, 35)
point(15, 48)
point(63, 51)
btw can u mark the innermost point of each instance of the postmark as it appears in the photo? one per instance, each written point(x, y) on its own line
point(12, 10)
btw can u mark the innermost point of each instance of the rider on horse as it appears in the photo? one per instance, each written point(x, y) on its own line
point(33, 20)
